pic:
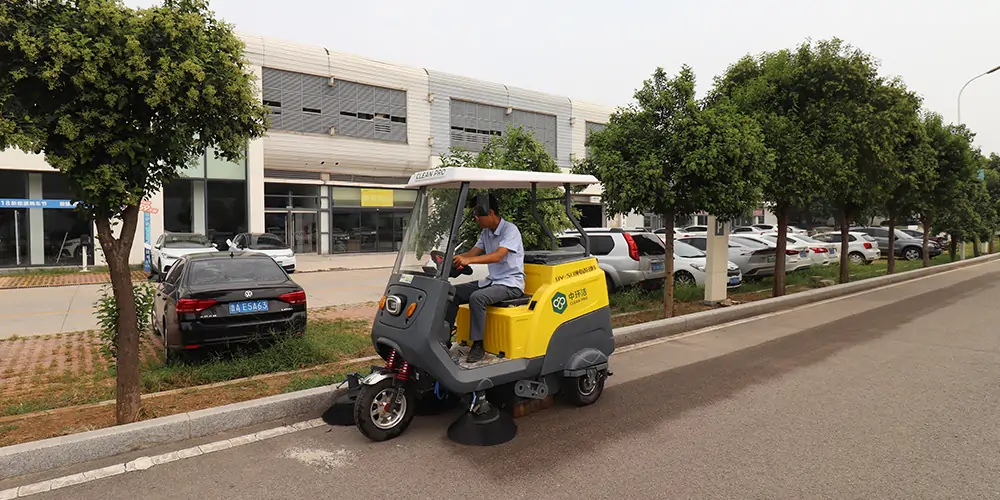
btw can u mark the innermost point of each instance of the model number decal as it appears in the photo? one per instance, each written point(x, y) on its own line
point(578, 272)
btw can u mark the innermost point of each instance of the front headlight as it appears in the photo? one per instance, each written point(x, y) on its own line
point(699, 267)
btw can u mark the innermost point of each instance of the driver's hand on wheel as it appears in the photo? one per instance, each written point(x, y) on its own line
point(460, 261)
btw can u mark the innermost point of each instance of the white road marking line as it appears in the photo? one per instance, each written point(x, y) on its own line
point(331, 459)
point(144, 463)
point(709, 329)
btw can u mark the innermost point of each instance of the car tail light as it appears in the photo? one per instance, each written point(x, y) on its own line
point(792, 252)
point(633, 249)
point(194, 305)
point(868, 246)
point(820, 250)
point(298, 297)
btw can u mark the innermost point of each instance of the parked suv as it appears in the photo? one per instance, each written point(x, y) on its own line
point(907, 247)
point(627, 256)
point(861, 248)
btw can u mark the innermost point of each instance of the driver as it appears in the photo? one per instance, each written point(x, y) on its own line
point(501, 249)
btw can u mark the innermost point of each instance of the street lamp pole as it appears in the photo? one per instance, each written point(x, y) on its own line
point(960, 114)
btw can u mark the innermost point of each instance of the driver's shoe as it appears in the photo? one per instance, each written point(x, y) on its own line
point(477, 353)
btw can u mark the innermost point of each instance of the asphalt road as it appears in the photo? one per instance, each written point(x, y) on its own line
point(890, 394)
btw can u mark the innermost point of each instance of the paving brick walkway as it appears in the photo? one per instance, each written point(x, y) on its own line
point(57, 279)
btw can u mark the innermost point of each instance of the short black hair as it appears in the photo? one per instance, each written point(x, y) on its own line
point(494, 206)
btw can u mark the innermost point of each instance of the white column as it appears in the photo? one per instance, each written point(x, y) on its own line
point(717, 251)
point(255, 185)
point(198, 206)
point(323, 231)
point(36, 222)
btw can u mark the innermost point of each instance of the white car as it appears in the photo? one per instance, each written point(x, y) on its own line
point(690, 266)
point(267, 244)
point(691, 231)
point(821, 253)
point(861, 248)
point(171, 246)
point(797, 255)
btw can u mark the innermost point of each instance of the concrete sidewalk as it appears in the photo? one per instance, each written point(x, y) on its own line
point(40, 311)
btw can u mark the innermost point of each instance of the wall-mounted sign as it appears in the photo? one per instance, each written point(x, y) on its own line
point(25, 203)
point(720, 227)
point(376, 197)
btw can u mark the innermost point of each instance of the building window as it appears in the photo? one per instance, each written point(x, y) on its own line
point(225, 210)
point(280, 196)
point(473, 125)
point(591, 127)
point(309, 104)
point(178, 206)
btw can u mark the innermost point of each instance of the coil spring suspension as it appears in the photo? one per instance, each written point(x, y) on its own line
point(390, 363)
point(404, 372)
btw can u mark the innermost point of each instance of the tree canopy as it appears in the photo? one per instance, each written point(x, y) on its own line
point(119, 100)
point(670, 154)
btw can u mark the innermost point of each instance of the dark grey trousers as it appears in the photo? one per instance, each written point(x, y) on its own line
point(478, 298)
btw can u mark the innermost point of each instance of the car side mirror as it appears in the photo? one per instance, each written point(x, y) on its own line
point(230, 243)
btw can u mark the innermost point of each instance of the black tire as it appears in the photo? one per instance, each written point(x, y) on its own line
point(363, 417)
point(683, 278)
point(581, 393)
point(911, 253)
point(857, 258)
point(610, 283)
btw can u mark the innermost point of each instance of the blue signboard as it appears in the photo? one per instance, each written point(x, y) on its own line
point(23, 203)
point(147, 241)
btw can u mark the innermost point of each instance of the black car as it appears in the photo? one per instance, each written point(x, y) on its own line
point(225, 297)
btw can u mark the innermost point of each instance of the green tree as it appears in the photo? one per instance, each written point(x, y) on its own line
point(670, 154)
point(909, 172)
point(119, 99)
point(516, 150)
point(948, 202)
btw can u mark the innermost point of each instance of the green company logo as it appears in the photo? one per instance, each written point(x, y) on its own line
point(559, 303)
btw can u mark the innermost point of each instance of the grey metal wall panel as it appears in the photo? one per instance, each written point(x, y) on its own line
point(308, 104)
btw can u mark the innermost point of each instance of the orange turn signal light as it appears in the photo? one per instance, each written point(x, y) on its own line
point(381, 302)
point(410, 310)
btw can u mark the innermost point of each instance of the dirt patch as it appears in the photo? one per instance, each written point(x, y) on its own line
point(355, 312)
point(64, 421)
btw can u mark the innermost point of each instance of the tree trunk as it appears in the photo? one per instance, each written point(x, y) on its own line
point(780, 267)
point(977, 246)
point(926, 222)
point(117, 252)
point(668, 265)
point(993, 240)
point(892, 243)
point(845, 261)
point(954, 247)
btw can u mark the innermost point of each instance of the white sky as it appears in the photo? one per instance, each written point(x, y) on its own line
point(600, 51)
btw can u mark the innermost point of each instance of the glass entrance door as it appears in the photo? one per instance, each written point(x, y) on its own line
point(302, 232)
point(14, 237)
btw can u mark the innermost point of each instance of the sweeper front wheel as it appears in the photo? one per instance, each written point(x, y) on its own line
point(372, 416)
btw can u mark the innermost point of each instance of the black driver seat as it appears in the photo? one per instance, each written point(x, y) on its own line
point(523, 300)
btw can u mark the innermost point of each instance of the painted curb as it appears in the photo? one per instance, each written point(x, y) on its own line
point(47, 454)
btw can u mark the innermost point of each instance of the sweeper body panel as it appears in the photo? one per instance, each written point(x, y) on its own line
point(555, 338)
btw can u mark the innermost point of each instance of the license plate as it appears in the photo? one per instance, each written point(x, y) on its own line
point(657, 266)
point(770, 259)
point(804, 253)
point(833, 252)
point(734, 281)
point(249, 306)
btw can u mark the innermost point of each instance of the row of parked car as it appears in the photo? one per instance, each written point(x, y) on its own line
point(170, 247)
point(636, 256)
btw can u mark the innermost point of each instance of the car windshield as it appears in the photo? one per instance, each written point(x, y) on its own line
point(226, 271)
point(185, 241)
point(428, 231)
point(267, 242)
point(686, 251)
